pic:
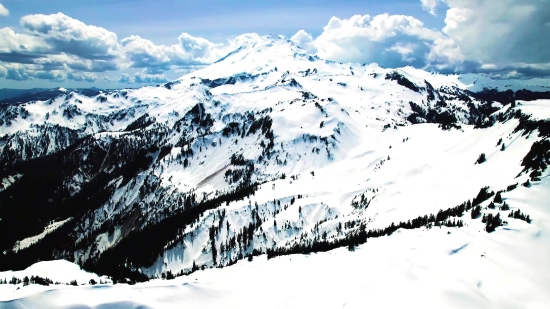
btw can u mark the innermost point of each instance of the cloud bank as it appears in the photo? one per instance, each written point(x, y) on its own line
point(504, 39)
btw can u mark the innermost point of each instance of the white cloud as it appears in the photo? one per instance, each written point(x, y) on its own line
point(18, 74)
point(501, 32)
point(191, 51)
point(430, 5)
point(390, 40)
point(304, 40)
point(24, 47)
point(503, 38)
point(142, 78)
point(243, 39)
point(68, 35)
point(53, 76)
point(125, 78)
point(59, 42)
point(79, 77)
point(198, 48)
point(511, 34)
point(23, 72)
point(3, 11)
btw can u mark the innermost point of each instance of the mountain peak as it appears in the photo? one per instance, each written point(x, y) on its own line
point(272, 53)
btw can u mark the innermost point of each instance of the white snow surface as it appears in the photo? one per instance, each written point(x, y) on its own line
point(58, 271)
point(25, 243)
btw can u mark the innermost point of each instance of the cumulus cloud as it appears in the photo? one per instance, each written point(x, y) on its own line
point(189, 52)
point(18, 73)
point(79, 77)
point(390, 40)
point(142, 78)
point(54, 76)
point(68, 35)
point(304, 40)
point(506, 39)
point(3, 11)
point(23, 72)
point(58, 42)
point(511, 35)
point(125, 78)
point(198, 48)
point(430, 5)
point(500, 32)
point(23, 46)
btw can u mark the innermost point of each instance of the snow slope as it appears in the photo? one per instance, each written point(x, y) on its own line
point(58, 271)
point(437, 268)
point(33, 239)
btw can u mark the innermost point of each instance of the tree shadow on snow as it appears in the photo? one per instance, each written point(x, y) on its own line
point(122, 305)
point(455, 251)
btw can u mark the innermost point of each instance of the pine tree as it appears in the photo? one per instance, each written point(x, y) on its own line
point(476, 212)
point(481, 158)
point(505, 207)
point(498, 198)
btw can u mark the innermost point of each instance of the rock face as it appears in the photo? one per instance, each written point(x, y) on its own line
point(266, 151)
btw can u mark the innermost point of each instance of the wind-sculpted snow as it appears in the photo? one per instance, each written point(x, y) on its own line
point(269, 151)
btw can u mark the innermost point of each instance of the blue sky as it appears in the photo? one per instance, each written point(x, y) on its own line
point(414, 32)
point(162, 21)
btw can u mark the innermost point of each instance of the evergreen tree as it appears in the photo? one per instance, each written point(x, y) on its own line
point(505, 207)
point(481, 158)
point(498, 198)
point(492, 222)
point(476, 212)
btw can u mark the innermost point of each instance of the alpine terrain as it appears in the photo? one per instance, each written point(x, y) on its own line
point(327, 184)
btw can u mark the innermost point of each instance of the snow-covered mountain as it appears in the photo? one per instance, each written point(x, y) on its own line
point(269, 151)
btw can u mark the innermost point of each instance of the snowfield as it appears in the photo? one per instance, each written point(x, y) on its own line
point(25, 243)
point(437, 268)
point(270, 149)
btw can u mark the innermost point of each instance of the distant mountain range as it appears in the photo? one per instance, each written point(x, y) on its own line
point(14, 96)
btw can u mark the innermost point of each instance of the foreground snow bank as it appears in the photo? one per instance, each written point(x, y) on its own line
point(436, 268)
point(60, 271)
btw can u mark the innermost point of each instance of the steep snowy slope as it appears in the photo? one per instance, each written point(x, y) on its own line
point(269, 151)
